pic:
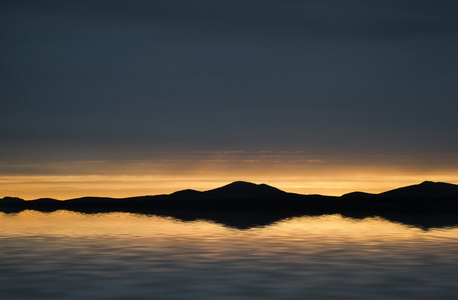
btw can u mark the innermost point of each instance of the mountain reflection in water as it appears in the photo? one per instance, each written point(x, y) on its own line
point(67, 255)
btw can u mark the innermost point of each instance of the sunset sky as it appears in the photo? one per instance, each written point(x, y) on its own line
point(124, 98)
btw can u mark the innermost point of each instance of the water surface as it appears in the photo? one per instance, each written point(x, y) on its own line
point(67, 255)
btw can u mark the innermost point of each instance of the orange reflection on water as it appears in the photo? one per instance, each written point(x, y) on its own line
point(296, 231)
point(136, 256)
point(68, 223)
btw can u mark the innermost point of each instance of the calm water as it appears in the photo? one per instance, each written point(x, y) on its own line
point(64, 255)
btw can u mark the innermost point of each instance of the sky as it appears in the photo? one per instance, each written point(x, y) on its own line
point(124, 98)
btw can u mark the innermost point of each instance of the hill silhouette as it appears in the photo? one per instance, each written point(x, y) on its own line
point(242, 193)
point(242, 189)
point(245, 204)
point(426, 189)
point(426, 196)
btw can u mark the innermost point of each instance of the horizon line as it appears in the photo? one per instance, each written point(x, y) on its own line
point(228, 184)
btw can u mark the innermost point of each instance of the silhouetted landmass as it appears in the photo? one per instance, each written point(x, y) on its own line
point(243, 204)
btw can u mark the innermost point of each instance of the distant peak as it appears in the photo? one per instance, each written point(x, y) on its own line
point(243, 188)
point(426, 182)
point(8, 198)
point(246, 184)
point(241, 183)
point(425, 189)
point(432, 183)
point(186, 192)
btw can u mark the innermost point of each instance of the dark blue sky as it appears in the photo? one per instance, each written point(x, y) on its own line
point(135, 78)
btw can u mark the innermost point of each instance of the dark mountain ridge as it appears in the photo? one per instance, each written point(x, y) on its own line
point(423, 190)
point(244, 189)
point(246, 196)
point(245, 205)
point(426, 189)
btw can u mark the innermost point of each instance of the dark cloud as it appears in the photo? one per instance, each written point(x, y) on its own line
point(323, 75)
point(298, 19)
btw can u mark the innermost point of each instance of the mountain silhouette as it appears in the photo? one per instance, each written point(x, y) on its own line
point(425, 189)
point(242, 189)
point(245, 196)
point(244, 205)
point(188, 193)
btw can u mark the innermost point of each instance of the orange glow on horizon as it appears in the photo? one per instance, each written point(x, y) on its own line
point(118, 186)
point(294, 172)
